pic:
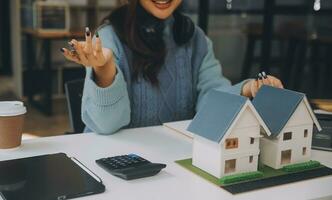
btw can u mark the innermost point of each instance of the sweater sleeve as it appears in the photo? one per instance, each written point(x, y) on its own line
point(210, 76)
point(106, 110)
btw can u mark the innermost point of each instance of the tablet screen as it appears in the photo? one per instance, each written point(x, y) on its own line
point(44, 178)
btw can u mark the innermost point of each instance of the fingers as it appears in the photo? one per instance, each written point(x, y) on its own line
point(259, 82)
point(274, 82)
point(88, 49)
point(280, 85)
point(277, 83)
point(70, 55)
point(271, 80)
point(254, 87)
point(98, 46)
point(267, 81)
point(79, 47)
point(82, 52)
point(88, 52)
point(98, 49)
point(262, 79)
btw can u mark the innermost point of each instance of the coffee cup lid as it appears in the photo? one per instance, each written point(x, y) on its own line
point(12, 108)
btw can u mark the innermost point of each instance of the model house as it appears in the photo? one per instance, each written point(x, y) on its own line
point(226, 135)
point(290, 120)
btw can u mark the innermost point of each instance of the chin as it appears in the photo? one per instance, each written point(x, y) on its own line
point(161, 9)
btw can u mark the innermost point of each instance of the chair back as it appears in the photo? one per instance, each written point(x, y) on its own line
point(74, 93)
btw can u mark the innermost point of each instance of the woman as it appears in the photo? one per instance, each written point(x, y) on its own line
point(149, 64)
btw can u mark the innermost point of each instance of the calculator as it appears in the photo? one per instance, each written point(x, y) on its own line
point(130, 166)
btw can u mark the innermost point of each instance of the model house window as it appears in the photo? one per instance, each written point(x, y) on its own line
point(232, 143)
point(252, 140)
point(230, 166)
point(306, 133)
point(286, 157)
point(304, 151)
point(251, 158)
point(288, 136)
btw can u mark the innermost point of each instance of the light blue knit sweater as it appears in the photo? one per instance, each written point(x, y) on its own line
point(190, 71)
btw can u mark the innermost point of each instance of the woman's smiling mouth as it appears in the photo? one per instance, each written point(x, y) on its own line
point(162, 4)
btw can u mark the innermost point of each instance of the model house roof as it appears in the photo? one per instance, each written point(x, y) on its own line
point(218, 113)
point(276, 106)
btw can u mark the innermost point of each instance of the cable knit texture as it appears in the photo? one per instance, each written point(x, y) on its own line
point(190, 71)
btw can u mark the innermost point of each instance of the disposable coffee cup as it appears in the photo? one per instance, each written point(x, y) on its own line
point(11, 123)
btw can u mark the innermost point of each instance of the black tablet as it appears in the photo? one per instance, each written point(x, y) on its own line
point(46, 177)
point(323, 140)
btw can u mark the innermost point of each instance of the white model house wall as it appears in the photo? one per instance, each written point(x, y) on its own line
point(296, 145)
point(299, 144)
point(211, 156)
point(207, 155)
point(268, 154)
point(244, 151)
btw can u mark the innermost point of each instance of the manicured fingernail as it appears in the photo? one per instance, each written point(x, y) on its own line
point(264, 75)
point(87, 31)
point(260, 77)
point(97, 34)
point(62, 50)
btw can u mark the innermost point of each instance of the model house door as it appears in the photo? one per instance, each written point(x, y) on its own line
point(230, 166)
point(286, 156)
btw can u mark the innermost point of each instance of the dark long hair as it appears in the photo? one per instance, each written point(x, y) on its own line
point(148, 55)
point(142, 33)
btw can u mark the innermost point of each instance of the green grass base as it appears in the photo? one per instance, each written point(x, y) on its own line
point(187, 163)
point(247, 176)
point(301, 166)
point(267, 172)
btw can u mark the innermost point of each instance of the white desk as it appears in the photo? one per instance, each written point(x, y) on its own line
point(160, 144)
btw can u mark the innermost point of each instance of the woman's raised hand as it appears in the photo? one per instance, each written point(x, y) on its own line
point(92, 54)
point(251, 88)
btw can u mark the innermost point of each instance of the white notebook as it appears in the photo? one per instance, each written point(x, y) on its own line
point(180, 127)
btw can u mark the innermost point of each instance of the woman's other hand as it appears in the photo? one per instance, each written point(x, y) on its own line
point(92, 54)
point(251, 88)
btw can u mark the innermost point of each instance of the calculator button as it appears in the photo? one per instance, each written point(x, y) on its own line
point(133, 155)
